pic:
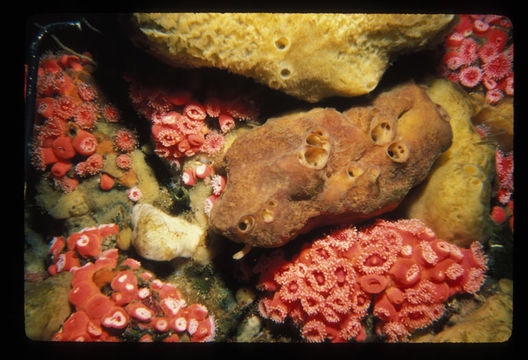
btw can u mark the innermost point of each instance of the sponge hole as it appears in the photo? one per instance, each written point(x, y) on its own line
point(316, 140)
point(314, 153)
point(281, 43)
point(315, 157)
point(285, 73)
point(354, 172)
point(398, 152)
point(381, 133)
point(245, 224)
point(272, 203)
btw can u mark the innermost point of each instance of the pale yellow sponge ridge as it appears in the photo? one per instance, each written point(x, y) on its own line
point(310, 56)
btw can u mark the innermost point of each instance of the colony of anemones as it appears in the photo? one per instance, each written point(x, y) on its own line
point(114, 299)
point(65, 137)
point(479, 55)
point(400, 270)
point(502, 205)
point(182, 125)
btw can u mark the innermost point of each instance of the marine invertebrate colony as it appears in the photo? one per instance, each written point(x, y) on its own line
point(117, 300)
point(478, 53)
point(504, 199)
point(66, 141)
point(301, 171)
point(182, 126)
point(400, 267)
point(212, 166)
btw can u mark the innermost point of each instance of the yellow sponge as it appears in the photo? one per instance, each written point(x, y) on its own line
point(455, 200)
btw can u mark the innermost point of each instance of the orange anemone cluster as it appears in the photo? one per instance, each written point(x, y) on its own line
point(182, 126)
point(400, 269)
point(68, 107)
point(114, 299)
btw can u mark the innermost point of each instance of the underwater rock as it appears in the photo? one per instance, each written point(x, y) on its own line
point(490, 321)
point(249, 329)
point(197, 195)
point(161, 237)
point(455, 199)
point(46, 305)
point(36, 248)
point(148, 184)
point(60, 205)
point(88, 205)
point(321, 167)
point(352, 50)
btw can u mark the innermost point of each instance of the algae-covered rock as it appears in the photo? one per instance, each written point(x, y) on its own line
point(490, 321)
point(148, 184)
point(88, 205)
point(60, 205)
point(455, 200)
point(310, 56)
point(321, 167)
point(249, 329)
point(161, 237)
point(46, 305)
point(197, 196)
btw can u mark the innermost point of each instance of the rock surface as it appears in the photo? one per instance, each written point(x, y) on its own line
point(455, 199)
point(46, 306)
point(161, 237)
point(490, 321)
point(310, 56)
point(313, 168)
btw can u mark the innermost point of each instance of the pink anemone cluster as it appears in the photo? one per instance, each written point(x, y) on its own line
point(125, 140)
point(503, 210)
point(479, 53)
point(124, 161)
point(206, 173)
point(64, 103)
point(399, 269)
point(68, 106)
point(112, 297)
point(183, 126)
